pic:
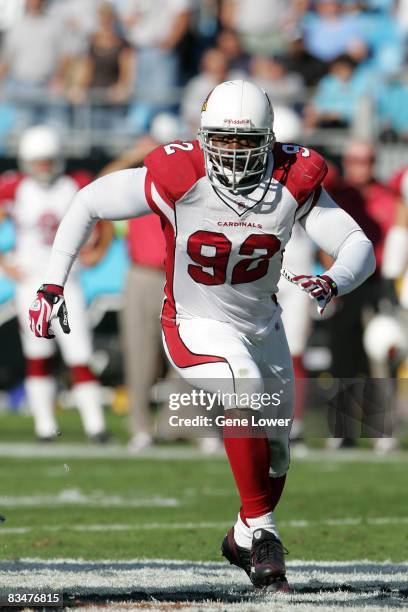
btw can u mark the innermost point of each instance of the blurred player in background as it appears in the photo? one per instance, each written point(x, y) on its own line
point(36, 198)
point(227, 205)
point(395, 260)
point(386, 337)
point(143, 297)
point(373, 205)
point(296, 311)
point(296, 318)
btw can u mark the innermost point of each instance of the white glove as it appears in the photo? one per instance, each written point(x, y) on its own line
point(48, 305)
point(320, 288)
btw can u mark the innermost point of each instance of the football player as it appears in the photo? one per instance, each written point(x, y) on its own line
point(36, 199)
point(395, 257)
point(227, 204)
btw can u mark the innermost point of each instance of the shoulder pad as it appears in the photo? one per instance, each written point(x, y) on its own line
point(9, 182)
point(81, 177)
point(300, 169)
point(176, 167)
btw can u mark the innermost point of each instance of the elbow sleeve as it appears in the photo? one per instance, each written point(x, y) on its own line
point(355, 262)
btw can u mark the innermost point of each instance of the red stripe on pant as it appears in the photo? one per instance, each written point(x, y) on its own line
point(81, 374)
point(39, 367)
point(300, 386)
point(181, 355)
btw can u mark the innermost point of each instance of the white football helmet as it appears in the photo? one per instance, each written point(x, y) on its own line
point(243, 110)
point(165, 127)
point(41, 143)
point(385, 338)
point(287, 124)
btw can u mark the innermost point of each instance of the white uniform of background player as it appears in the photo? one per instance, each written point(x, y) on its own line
point(221, 320)
point(296, 315)
point(37, 201)
point(299, 255)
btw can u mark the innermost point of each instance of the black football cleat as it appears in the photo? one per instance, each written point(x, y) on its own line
point(268, 569)
point(46, 439)
point(235, 554)
point(102, 437)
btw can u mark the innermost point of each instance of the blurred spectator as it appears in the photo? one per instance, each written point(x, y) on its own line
point(264, 29)
point(214, 70)
point(78, 19)
point(336, 99)
point(383, 36)
point(33, 58)
point(392, 109)
point(330, 32)
point(381, 6)
point(401, 15)
point(107, 72)
point(364, 197)
point(202, 33)
point(155, 29)
point(229, 42)
point(282, 86)
point(206, 18)
point(301, 61)
point(10, 13)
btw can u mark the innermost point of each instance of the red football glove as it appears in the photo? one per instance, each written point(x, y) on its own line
point(49, 305)
point(320, 288)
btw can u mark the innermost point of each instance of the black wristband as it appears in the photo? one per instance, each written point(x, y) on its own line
point(331, 283)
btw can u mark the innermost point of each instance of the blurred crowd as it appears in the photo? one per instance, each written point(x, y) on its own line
point(131, 59)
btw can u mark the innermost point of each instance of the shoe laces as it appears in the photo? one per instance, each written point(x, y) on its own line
point(269, 547)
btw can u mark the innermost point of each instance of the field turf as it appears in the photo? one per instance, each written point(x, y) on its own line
point(113, 506)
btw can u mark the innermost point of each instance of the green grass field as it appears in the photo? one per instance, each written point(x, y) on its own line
point(338, 507)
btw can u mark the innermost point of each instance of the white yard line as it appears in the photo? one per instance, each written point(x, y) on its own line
point(114, 451)
point(217, 525)
point(329, 585)
point(87, 451)
point(154, 584)
point(75, 497)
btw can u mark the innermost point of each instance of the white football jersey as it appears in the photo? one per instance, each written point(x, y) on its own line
point(224, 252)
point(36, 210)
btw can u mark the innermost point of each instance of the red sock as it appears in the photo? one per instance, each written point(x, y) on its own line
point(277, 485)
point(242, 515)
point(81, 374)
point(249, 459)
point(300, 386)
point(276, 489)
point(38, 367)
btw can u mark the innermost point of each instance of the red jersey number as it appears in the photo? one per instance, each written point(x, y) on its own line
point(211, 250)
point(48, 224)
point(245, 271)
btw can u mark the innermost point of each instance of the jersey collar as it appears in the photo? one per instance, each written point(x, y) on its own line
point(242, 203)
